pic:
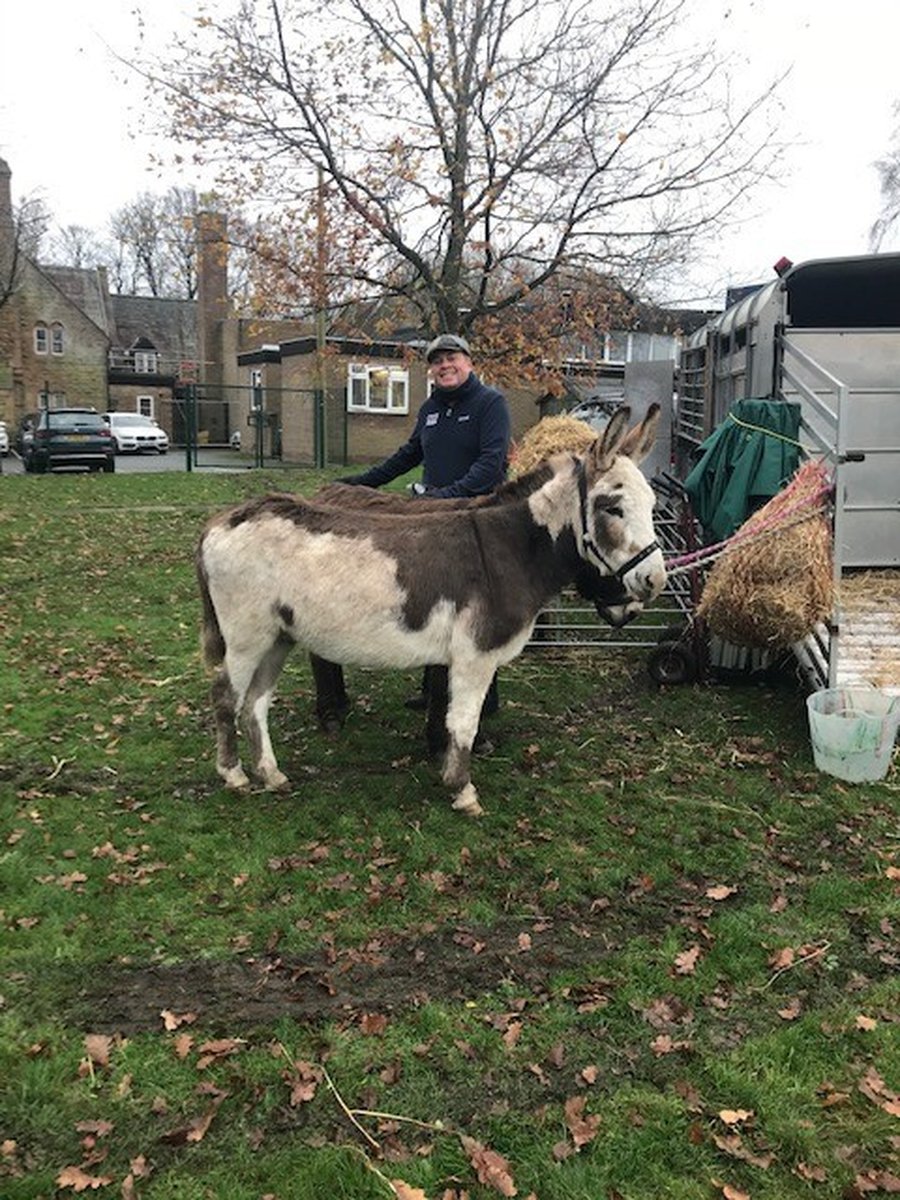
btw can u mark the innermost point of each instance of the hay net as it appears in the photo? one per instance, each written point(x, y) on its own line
point(775, 582)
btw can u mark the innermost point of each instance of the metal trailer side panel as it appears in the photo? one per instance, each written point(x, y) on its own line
point(847, 383)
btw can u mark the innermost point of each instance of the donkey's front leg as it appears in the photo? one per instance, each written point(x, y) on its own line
point(469, 683)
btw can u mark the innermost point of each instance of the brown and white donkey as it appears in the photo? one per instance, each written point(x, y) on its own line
point(460, 587)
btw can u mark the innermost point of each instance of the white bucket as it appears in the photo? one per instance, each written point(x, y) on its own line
point(853, 731)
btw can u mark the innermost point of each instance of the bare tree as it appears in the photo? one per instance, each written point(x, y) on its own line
point(21, 235)
point(154, 244)
point(888, 169)
point(473, 149)
point(77, 246)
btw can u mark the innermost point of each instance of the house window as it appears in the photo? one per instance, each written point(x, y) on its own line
point(617, 346)
point(145, 362)
point(373, 388)
point(41, 341)
point(56, 338)
point(145, 405)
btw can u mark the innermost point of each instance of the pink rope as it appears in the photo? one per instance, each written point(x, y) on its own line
point(685, 560)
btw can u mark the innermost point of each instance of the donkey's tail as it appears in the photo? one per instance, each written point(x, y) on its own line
point(212, 643)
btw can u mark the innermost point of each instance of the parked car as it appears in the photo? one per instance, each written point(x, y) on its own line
point(60, 439)
point(4, 439)
point(133, 432)
point(597, 410)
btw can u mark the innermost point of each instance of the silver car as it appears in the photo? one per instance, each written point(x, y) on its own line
point(4, 438)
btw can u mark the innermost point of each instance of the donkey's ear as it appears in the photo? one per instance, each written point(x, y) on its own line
point(602, 452)
point(639, 441)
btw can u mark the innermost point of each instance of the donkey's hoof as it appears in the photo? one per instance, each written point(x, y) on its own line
point(275, 781)
point(235, 778)
point(466, 802)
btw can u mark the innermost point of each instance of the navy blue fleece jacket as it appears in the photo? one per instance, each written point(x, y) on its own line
point(461, 437)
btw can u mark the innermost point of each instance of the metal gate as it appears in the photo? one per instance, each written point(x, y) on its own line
point(259, 426)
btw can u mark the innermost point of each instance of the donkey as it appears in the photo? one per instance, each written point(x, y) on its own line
point(332, 702)
point(462, 588)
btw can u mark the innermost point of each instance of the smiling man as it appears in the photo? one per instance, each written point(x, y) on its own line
point(461, 438)
point(461, 435)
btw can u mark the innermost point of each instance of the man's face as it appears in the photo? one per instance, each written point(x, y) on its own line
point(450, 368)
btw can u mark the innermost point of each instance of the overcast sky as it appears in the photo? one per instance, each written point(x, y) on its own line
point(70, 128)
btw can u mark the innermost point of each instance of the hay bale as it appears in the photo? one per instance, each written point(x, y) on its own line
point(775, 583)
point(551, 435)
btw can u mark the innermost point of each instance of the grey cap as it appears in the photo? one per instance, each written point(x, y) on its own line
point(447, 341)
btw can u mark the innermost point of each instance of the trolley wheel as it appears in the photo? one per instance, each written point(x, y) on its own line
point(672, 663)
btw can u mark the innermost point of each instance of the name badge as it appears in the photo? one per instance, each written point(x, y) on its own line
point(464, 417)
point(431, 418)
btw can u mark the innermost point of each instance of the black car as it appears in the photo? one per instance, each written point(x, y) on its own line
point(60, 439)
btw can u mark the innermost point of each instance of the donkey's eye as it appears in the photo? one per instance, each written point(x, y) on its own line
point(615, 511)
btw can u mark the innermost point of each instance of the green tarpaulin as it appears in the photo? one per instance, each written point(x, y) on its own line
point(740, 468)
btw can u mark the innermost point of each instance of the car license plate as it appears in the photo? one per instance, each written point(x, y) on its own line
point(74, 437)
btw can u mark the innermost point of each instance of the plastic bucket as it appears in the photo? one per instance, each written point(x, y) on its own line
point(852, 731)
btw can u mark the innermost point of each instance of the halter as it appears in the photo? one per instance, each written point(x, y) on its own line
point(590, 547)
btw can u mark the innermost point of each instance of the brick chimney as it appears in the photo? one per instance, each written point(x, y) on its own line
point(212, 296)
point(7, 226)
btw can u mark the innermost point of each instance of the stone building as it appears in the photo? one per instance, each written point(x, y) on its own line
point(66, 340)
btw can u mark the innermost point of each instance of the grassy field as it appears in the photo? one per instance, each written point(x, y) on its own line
point(663, 964)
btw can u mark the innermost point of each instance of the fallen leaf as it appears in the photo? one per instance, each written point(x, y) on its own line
point(80, 1181)
point(735, 1116)
point(782, 958)
point(98, 1046)
point(866, 1023)
point(512, 1034)
point(182, 1045)
point(720, 891)
point(403, 1191)
point(733, 1144)
point(729, 1192)
point(304, 1079)
point(582, 1128)
point(686, 961)
point(557, 1056)
point(665, 1044)
point(97, 1128)
point(196, 1129)
point(172, 1020)
point(491, 1168)
point(791, 1010)
point(373, 1024)
point(812, 1174)
point(877, 1181)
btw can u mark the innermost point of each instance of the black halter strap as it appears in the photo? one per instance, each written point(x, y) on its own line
point(589, 547)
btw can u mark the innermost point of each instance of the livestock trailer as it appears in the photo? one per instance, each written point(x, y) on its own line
point(825, 336)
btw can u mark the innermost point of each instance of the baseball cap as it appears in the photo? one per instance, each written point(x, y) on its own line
point(447, 341)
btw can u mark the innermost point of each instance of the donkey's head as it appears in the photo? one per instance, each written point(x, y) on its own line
point(616, 539)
